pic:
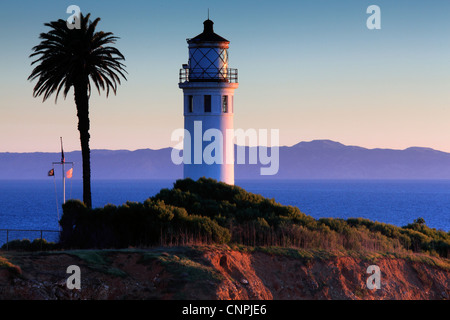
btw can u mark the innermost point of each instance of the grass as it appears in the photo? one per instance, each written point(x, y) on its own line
point(301, 254)
point(307, 255)
point(5, 264)
point(429, 260)
point(304, 255)
point(181, 260)
point(97, 260)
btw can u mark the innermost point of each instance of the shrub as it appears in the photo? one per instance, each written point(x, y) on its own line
point(206, 211)
point(27, 245)
point(136, 224)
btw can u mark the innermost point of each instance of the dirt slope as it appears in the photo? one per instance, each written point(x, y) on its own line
point(217, 273)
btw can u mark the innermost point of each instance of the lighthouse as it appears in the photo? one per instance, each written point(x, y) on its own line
point(208, 86)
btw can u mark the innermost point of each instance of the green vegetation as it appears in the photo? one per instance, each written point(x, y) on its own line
point(27, 245)
point(207, 212)
point(184, 264)
point(5, 264)
point(97, 260)
point(181, 263)
point(304, 255)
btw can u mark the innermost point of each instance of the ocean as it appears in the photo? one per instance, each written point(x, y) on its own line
point(33, 204)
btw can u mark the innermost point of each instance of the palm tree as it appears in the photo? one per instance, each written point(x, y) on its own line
point(74, 58)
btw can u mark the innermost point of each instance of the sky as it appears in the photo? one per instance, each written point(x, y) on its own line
point(310, 68)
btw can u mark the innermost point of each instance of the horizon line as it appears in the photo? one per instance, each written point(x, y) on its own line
point(257, 146)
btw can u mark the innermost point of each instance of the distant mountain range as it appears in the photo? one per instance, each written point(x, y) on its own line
point(318, 159)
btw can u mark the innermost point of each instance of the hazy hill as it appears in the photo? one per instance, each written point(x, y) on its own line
point(326, 159)
point(319, 159)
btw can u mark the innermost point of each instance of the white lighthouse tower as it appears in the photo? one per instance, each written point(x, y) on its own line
point(208, 87)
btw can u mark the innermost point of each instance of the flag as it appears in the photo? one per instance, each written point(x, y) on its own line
point(51, 173)
point(69, 173)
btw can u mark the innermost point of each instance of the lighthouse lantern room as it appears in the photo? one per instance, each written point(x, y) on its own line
point(208, 88)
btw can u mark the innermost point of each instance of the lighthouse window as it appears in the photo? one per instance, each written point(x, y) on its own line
point(225, 104)
point(207, 103)
point(191, 103)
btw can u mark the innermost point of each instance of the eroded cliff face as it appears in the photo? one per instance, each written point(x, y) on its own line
point(285, 278)
point(217, 273)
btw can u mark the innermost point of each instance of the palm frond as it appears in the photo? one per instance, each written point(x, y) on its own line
point(66, 55)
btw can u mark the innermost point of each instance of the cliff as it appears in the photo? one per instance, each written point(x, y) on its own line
point(221, 272)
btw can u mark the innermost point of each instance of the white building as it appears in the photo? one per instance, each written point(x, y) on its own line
point(208, 87)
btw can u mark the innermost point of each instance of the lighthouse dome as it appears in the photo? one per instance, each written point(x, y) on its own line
point(208, 55)
point(208, 34)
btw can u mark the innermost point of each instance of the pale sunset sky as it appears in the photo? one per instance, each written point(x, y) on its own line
point(310, 68)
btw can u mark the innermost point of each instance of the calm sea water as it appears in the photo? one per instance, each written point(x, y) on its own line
point(32, 204)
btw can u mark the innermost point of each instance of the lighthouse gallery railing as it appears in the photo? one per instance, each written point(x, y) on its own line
point(198, 75)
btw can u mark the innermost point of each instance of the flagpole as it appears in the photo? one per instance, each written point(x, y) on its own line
point(52, 173)
point(63, 172)
point(64, 184)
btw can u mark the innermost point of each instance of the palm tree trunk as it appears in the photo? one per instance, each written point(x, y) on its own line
point(82, 102)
